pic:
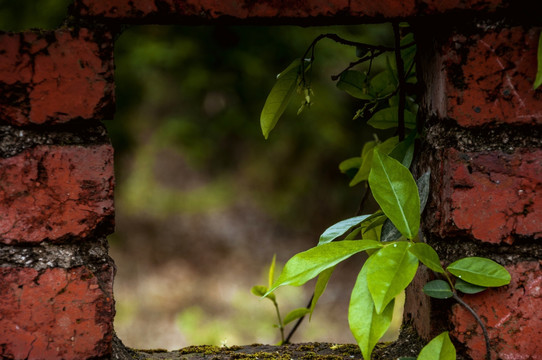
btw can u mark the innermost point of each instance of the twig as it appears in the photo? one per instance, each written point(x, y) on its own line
point(402, 82)
point(299, 321)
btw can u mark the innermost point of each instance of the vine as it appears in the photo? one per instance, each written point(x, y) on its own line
point(390, 236)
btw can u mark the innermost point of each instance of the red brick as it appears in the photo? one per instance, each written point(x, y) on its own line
point(490, 196)
point(511, 314)
point(56, 313)
point(54, 77)
point(488, 78)
point(275, 10)
point(54, 192)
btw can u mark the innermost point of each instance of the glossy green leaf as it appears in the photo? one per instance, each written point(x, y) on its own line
point(428, 256)
point(367, 156)
point(271, 273)
point(480, 271)
point(340, 228)
point(320, 287)
point(351, 163)
point(262, 291)
point(388, 118)
point(468, 288)
point(366, 324)
point(389, 271)
point(438, 289)
point(308, 264)
point(279, 97)
point(440, 348)
point(396, 192)
point(538, 79)
point(354, 83)
point(374, 221)
point(295, 314)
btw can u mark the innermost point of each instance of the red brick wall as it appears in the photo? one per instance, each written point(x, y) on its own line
point(483, 136)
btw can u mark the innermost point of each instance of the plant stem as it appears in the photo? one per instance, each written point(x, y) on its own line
point(299, 321)
point(401, 76)
point(480, 322)
point(281, 326)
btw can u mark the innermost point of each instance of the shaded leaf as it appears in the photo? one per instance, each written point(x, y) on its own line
point(261, 291)
point(438, 289)
point(295, 314)
point(538, 79)
point(308, 264)
point(389, 271)
point(320, 287)
point(404, 151)
point(366, 324)
point(428, 256)
point(382, 84)
point(340, 228)
point(396, 192)
point(356, 233)
point(440, 348)
point(468, 288)
point(354, 83)
point(388, 118)
point(351, 163)
point(480, 271)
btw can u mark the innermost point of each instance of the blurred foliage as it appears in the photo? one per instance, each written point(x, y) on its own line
point(18, 15)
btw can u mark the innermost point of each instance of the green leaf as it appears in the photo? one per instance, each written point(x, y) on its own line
point(404, 151)
point(396, 192)
point(440, 348)
point(279, 97)
point(428, 256)
point(320, 287)
point(271, 274)
point(366, 324)
point(468, 288)
point(340, 228)
point(295, 314)
point(538, 79)
point(438, 289)
point(388, 118)
point(308, 264)
point(354, 83)
point(382, 84)
point(480, 271)
point(351, 163)
point(375, 220)
point(367, 156)
point(389, 271)
point(262, 291)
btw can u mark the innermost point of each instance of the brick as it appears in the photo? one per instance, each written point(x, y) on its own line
point(511, 314)
point(56, 313)
point(55, 193)
point(277, 11)
point(490, 196)
point(56, 76)
point(487, 78)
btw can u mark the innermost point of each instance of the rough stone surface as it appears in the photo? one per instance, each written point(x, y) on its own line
point(56, 193)
point(56, 76)
point(198, 11)
point(511, 313)
point(56, 313)
point(486, 78)
point(489, 196)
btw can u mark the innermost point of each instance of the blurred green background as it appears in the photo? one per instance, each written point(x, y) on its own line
point(203, 201)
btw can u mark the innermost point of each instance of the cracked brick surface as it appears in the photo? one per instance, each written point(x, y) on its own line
point(511, 313)
point(56, 193)
point(490, 196)
point(56, 313)
point(55, 76)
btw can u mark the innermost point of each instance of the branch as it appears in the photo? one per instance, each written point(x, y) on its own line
point(402, 82)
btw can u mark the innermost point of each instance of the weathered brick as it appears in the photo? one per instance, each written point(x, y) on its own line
point(55, 192)
point(490, 196)
point(56, 76)
point(487, 78)
point(278, 11)
point(56, 313)
point(511, 314)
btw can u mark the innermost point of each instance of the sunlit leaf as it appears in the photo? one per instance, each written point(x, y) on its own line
point(262, 291)
point(354, 83)
point(271, 273)
point(388, 118)
point(351, 163)
point(468, 288)
point(538, 79)
point(367, 156)
point(306, 265)
point(295, 314)
point(389, 271)
point(428, 256)
point(366, 324)
point(279, 97)
point(396, 192)
point(320, 287)
point(438, 289)
point(340, 228)
point(440, 348)
point(480, 271)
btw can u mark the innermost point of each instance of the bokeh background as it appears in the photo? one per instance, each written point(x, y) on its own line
point(203, 201)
